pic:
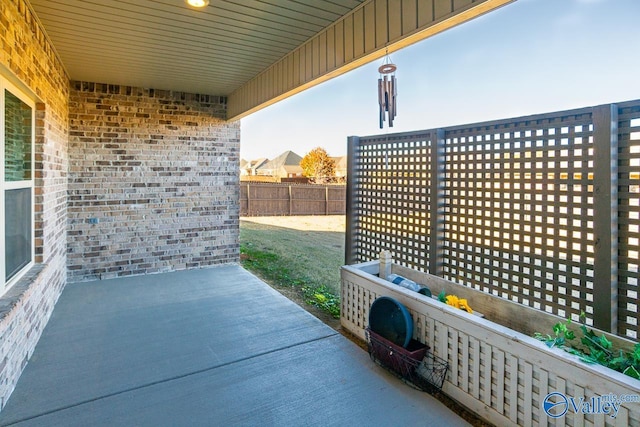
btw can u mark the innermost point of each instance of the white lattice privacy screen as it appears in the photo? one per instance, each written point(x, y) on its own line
point(542, 210)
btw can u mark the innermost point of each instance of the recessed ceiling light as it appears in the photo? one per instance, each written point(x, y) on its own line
point(198, 3)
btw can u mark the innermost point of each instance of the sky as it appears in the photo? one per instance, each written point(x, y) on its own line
point(529, 57)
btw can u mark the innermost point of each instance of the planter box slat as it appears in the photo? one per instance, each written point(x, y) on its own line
point(488, 375)
point(543, 390)
point(465, 371)
point(476, 368)
point(500, 365)
point(455, 361)
point(528, 392)
point(623, 418)
point(499, 373)
point(513, 388)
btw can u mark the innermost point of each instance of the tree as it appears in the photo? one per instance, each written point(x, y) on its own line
point(318, 166)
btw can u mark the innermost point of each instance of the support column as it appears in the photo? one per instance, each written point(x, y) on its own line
point(436, 199)
point(351, 214)
point(605, 221)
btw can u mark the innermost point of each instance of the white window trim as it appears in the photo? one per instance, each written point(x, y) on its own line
point(24, 97)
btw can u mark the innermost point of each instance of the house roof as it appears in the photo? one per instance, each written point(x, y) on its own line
point(257, 163)
point(289, 160)
point(254, 52)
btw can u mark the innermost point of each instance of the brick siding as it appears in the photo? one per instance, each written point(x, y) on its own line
point(153, 182)
point(27, 59)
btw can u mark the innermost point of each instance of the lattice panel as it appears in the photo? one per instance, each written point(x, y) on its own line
point(519, 212)
point(516, 212)
point(628, 220)
point(391, 196)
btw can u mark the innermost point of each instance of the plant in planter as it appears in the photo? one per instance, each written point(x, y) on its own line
point(594, 348)
point(454, 301)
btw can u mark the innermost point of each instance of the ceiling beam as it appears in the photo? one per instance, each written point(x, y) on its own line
point(363, 35)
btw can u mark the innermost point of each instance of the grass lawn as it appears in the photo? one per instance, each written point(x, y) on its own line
point(300, 256)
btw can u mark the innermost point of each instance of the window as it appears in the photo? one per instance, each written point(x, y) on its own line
point(16, 184)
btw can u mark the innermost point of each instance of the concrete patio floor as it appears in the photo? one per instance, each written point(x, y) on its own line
point(204, 347)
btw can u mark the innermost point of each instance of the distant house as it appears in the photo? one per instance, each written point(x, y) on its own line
point(286, 165)
point(250, 168)
point(341, 166)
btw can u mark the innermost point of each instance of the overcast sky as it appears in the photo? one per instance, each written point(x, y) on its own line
point(529, 57)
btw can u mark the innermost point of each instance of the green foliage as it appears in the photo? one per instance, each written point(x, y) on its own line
point(276, 271)
point(561, 334)
point(322, 297)
point(442, 297)
point(594, 348)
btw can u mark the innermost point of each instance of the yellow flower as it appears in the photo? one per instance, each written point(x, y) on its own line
point(452, 300)
point(462, 304)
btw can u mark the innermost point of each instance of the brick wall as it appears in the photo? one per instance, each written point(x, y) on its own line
point(153, 182)
point(157, 170)
point(28, 60)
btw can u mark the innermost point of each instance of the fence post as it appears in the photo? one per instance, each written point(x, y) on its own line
point(290, 200)
point(437, 166)
point(605, 217)
point(326, 200)
point(248, 199)
point(350, 235)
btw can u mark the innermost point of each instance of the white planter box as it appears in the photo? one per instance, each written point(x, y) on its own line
point(502, 375)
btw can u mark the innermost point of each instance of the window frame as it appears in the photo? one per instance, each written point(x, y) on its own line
point(5, 186)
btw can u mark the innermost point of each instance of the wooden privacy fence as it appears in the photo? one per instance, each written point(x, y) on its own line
point(541, 210)
point(272, 199)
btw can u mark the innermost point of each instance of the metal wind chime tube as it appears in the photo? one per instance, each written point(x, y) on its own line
point(387, 92)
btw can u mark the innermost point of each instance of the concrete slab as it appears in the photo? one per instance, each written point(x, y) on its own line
point(204, 347)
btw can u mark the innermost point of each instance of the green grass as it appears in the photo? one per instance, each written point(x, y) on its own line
point(305, 261)
point(269, 266)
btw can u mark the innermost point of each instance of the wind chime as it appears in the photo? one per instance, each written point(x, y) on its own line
point(387, 91)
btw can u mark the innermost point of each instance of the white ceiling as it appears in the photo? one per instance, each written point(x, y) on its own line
point(164, 44)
